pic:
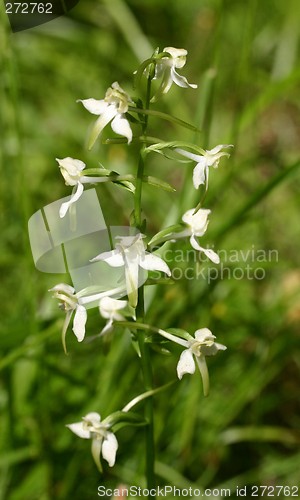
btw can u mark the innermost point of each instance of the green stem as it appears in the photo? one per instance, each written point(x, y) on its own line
point(138, 191)
point(141, 164)
point(148, 384)
point(143, 346)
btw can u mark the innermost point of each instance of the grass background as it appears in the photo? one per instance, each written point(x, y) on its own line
point(245, 58)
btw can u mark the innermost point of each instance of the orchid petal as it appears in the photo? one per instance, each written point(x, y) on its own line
point(178, 58)
point(107, 328)
point(213, 256)
point(220, 347)
point(108, 306)
point(186, 363)
point(63, 287)
point(198, 221)
point(65, 206)
point(211, 350)
point(132, 278)
point(188, 154)
point(109, 113)
point(93, 417)
point(201, 362)
point(66, 300)
point(96, 450)
point(204, 334)
point(152, 262)
point(64, 330)
point(166, 82)
point(78, 429)
point(181, 81)
point(94, 106)
point(218, 148)
point(121, 126)
point(114, 258)
point(72, 165)
point(71, 169)
point(213, 161)
point(200, 173)
point(79, 322)
point(109, 448)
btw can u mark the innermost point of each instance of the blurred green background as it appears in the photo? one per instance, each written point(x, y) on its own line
point(245, 58)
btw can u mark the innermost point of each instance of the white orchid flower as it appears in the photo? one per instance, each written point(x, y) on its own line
point(110, 109)
point(197, 225)
point(131, 254)
point(71, 170)
point(202, 345)
point(70, 303)
point(166, 69)
point(109, 309)
point(210, 158)
point(196, 348)
point(104, 441)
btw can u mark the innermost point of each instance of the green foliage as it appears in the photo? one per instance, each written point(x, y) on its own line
point(243, 56)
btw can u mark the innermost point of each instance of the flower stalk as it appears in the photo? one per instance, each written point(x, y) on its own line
point(140, 313)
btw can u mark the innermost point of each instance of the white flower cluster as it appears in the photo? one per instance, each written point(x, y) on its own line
point(130, 251)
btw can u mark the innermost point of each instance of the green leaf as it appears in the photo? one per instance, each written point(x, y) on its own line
point(164, 116)
point(154, 181)
point(126, 185)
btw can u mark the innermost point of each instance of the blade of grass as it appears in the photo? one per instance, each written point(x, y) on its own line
point(259, 195)
point(128, 25)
